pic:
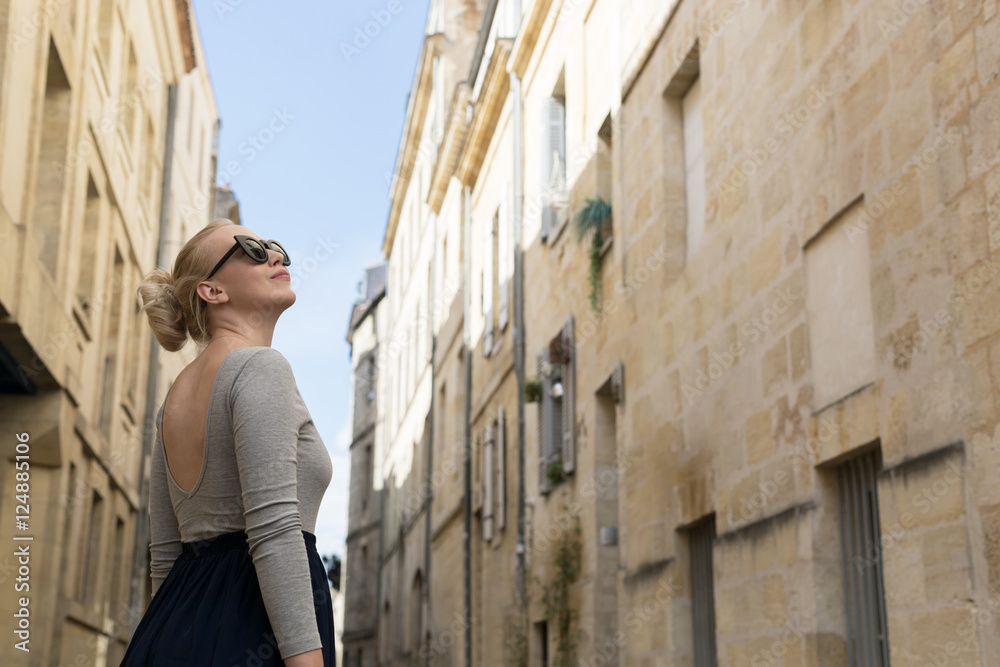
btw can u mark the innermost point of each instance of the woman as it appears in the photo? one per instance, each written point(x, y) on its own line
point(238, 471)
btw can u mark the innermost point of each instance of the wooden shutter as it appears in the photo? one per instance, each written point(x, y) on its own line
point(569, 397)
point(503, 250)
point(544, 417)
point(488, 484)
point(554, 176)
point(501, 514)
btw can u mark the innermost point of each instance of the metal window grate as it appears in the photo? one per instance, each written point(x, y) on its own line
point(864, 591)
point(703, 594)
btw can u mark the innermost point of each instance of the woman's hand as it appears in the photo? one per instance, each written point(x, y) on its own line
point(313, 658)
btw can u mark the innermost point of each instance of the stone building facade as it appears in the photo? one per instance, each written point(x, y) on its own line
point(104, 106)
point(365, 333)
point(776, 415)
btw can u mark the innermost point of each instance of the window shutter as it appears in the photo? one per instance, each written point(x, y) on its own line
point(545, 169)
point(488, 484)
point(501, 514)
point(544, 416)
point(503, 250)
point(554, 160)
point(487, 288)
point(569, 397)
point(557, 135)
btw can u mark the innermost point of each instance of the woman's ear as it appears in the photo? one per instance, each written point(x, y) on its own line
point(211, 294)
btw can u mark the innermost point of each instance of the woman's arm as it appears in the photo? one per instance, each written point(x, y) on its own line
point(266, 419)
point(307, 659)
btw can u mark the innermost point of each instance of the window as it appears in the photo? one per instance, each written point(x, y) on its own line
point(437, 108)
point(436, 22)
point(494, 470)
point(501, 515)
point(72, 503)
point(694, 166)
point(136, 338)
point(129, 94)
point(861, 550)
point(104, 29)
point(557, 408)
point(503, 263)
point(540, 654)
point(416, 606)
point(554, 202)
point(148, 159)
point(605, 183)
point(116, 571)
point(839, 308)
point(88, 247)
point(111, 345)
point(700, 539)
point(93, 547)
point(50, 180)
point(488, 447)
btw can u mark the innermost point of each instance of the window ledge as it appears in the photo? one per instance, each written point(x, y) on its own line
point(606, 246)
point(561, 225)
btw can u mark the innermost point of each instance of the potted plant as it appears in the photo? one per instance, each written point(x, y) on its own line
point(592, 218)
point(532, 391)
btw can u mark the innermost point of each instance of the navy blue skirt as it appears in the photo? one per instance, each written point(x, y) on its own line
point(209, 611)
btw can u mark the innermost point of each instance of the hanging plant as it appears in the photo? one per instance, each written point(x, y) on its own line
point(532, 391)
point(555, 597)
point(555, 473)
point(591, 218)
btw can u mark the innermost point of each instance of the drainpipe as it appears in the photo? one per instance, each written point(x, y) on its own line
point(429, 491)
point(467, 467)
point(140, 549)
point(517, 118)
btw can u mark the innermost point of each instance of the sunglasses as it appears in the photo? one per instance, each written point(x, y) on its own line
point(256, 249)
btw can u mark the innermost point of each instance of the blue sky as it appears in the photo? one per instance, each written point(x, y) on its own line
point(318, 184)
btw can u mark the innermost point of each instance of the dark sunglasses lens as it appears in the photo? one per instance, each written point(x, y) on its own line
point(255, 250)
point(277, 246)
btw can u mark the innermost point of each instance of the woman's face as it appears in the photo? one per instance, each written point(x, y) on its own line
point(247, 285)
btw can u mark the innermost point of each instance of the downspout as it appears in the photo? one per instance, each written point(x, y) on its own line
point(430, 442)
point(467, 464)
point(477, 59)
point(140, 550)
point(518, 158)
point(378, 572)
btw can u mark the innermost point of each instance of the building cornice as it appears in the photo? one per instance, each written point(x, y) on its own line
point(527, 36)
point(413, 125)
point(186, 33)
point(492, 95)
point(451, 146)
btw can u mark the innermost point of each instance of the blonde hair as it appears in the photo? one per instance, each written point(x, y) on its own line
point(170, 300)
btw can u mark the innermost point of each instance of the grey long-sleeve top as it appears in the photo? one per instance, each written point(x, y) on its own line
point(265, 471)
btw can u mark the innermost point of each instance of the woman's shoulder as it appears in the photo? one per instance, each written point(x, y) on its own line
point(260, 364)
